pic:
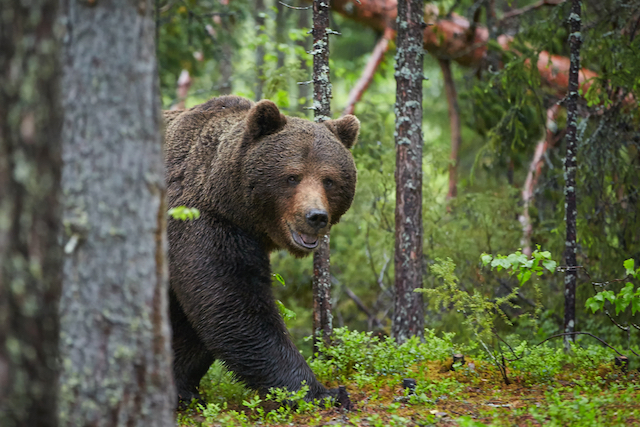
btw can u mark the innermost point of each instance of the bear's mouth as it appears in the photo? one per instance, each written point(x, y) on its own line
point(305, 240)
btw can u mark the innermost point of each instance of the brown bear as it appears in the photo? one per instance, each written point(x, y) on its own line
point(262, 181)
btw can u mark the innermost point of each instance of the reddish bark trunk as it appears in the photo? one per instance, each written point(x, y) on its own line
point(369, 71)
point(408, 315)
point(449, 38)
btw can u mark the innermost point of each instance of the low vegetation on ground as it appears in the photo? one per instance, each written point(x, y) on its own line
point(417, 384)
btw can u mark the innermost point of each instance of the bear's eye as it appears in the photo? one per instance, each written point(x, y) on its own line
point(328, 183)
point(292, 180)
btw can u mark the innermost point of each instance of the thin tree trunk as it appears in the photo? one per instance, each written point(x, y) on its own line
point(303, 87)
point(408, 316)
point(454, 125)
point(30, 214)
point(115, 335)
point(281, 32)
point(530, 183)
point(322, 319)
point(225, 83)
point(570, 166)
point(259, 19)
point(182, 91)
point(369, 71)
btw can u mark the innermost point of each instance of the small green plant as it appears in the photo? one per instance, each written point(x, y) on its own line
point(286, 314)
point(360, 357)
point(627, 297)
point(626, 300)
point(183, 213)
point(521, 265)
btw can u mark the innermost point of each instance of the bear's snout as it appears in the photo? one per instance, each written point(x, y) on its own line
point(317, 218)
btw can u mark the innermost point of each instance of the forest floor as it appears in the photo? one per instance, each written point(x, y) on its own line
point(544, 386)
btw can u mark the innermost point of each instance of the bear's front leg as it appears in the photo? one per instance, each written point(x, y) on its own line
point(223, 286)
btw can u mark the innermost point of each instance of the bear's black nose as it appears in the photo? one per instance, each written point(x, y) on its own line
point(317, 218)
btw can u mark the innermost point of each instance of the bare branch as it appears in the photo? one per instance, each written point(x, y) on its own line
point(537, 5)
point(580, 333)
point(369, 71)
point(295, 7)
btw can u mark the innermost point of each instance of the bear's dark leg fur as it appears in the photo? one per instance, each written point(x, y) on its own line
point(221, 277)
point(191, 359)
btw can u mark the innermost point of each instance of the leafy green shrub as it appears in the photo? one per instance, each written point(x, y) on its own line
point(360, 356)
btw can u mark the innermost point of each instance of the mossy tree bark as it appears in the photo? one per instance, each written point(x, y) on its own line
point(115, 335)
point(322, 318)
point(570, 166)
point(408, 316)
point(30, 252)
point(303, 87)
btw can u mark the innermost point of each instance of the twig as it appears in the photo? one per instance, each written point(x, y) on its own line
point(295, 7)
point(507, 344)
point(363, 307)
point(369, 71)
point(530, 7)
point(580, 333)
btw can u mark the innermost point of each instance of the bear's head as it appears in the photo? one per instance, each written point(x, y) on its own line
point(299, 176)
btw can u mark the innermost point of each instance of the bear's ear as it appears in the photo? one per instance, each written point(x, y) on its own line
point(345, 128)
point(264, 118)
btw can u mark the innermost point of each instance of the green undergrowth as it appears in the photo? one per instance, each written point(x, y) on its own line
point(543, 386)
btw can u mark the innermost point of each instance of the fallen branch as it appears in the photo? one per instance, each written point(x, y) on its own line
point(453, 38)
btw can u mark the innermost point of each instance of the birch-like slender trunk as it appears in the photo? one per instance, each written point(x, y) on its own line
point(30, 215)
point(322, 318)
point(570, 166)
point(408, 316)
point(115, 335)
point(454, 125)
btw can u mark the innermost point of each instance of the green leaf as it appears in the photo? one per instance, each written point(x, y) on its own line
point(550, 265)
point(183, 213)
point(629, 266)
point(624, 298)
point(279, 278)
point(500, 263)
point(524, 276)
point(609, 295)
point(594, 304)
point(635, 303)
point(486, 259)
point(285, 312)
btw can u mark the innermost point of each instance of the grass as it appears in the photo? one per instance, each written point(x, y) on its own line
point(547, 387)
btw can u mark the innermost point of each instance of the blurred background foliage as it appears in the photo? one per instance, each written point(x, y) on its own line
point(243, 47)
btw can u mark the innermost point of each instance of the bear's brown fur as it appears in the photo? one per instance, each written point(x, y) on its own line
point(262, 181)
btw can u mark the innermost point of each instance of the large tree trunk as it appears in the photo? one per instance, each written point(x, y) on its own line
point(408, 316)
point(570, 166)
point(30, 253)
point(322, 319)
point(115, 337)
